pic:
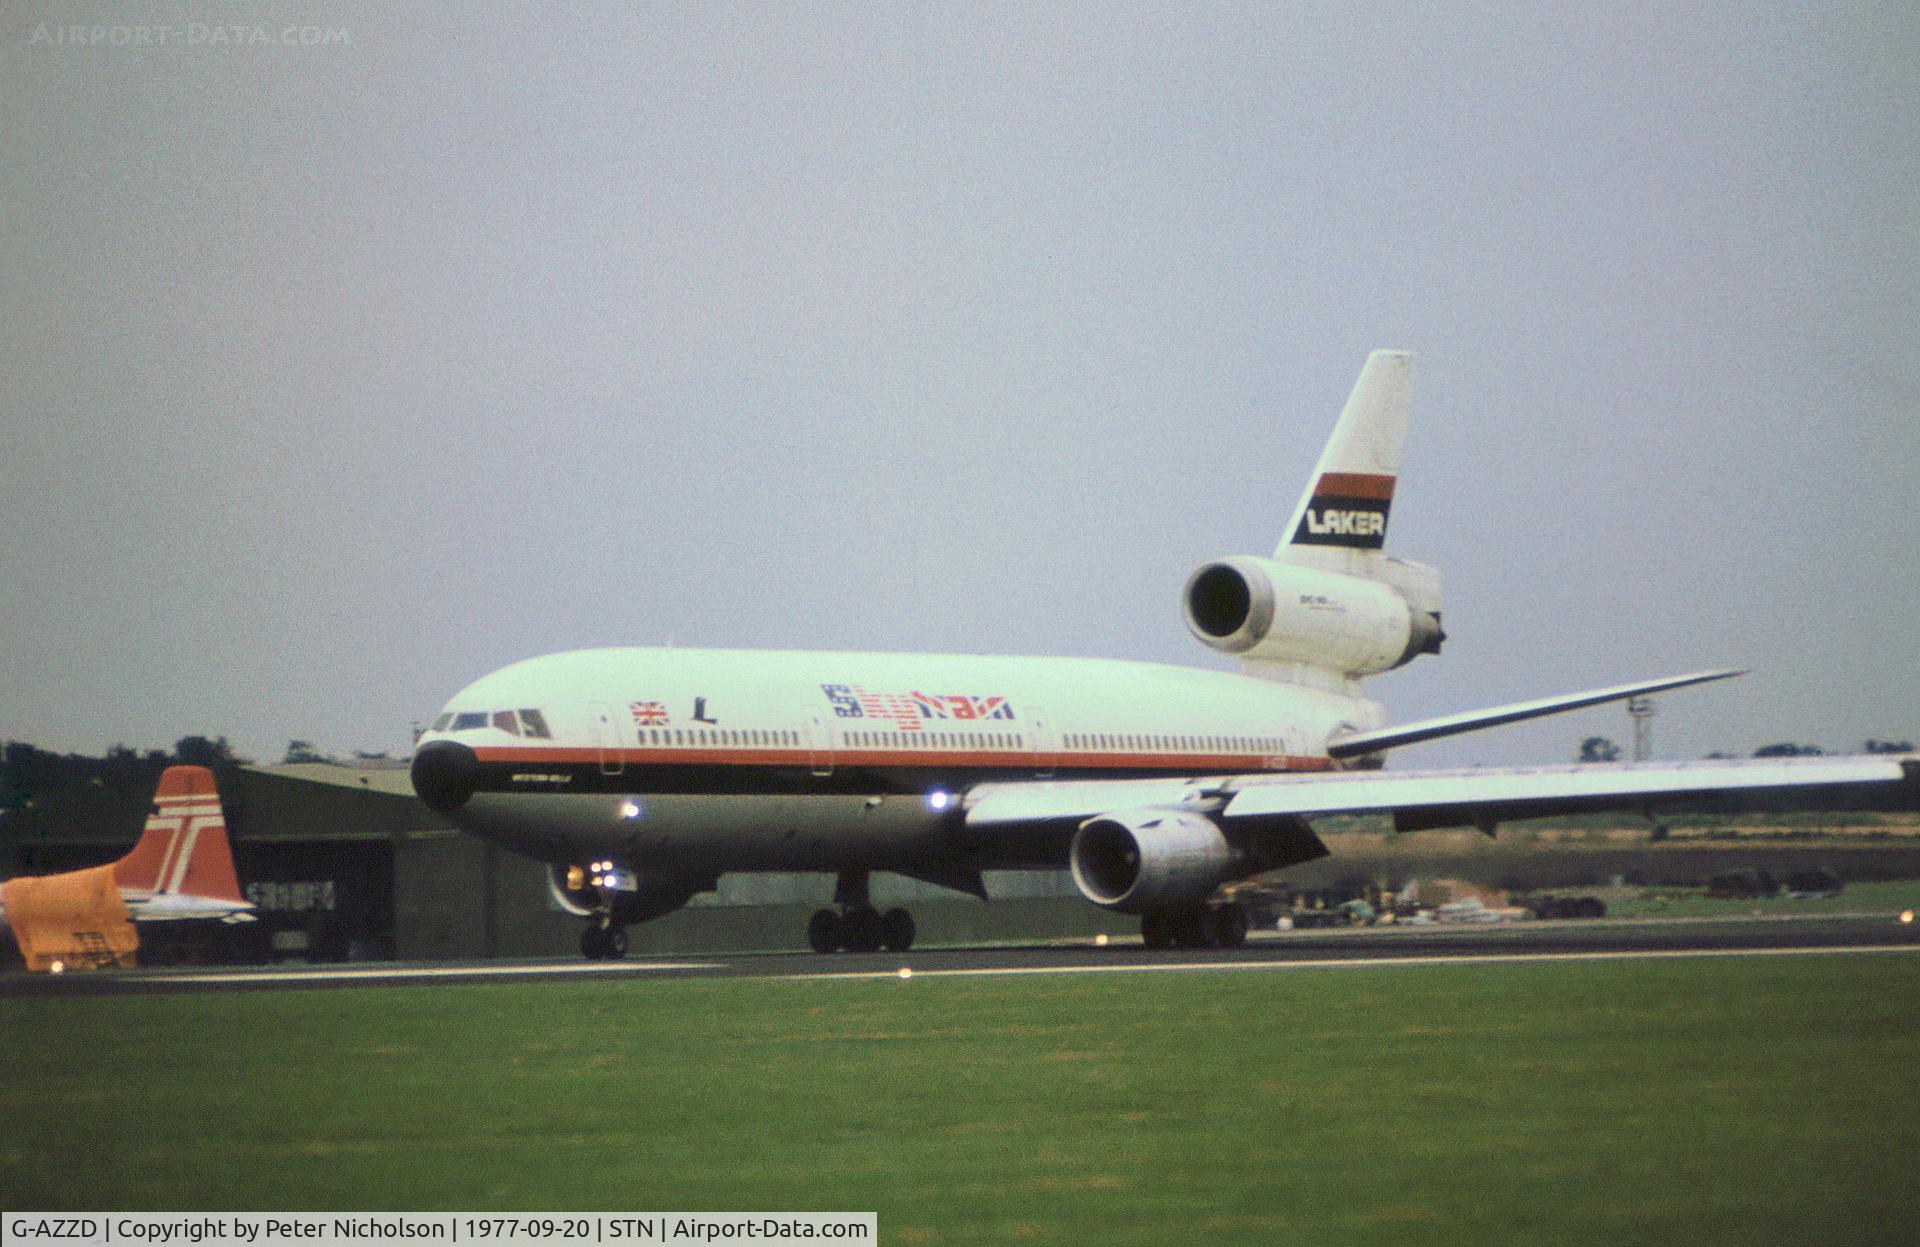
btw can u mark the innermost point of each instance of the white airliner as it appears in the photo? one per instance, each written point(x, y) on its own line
point(642, 775)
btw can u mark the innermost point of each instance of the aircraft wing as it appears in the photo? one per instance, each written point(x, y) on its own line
point(1485, 796)
point(1420, 800)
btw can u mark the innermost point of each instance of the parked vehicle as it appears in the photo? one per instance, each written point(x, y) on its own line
point(1567, 907)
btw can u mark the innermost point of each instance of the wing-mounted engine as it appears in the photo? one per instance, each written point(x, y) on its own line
point(571, 891)
point(607, 888)
point(1137, 860)
point(1268, 611)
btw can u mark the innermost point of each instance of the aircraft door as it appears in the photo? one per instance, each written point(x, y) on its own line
point(819, 746)
point(1041, 741)
point(606, 738)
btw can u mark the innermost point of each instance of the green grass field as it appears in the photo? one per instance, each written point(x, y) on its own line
point(1888, 897)
point(1754, 1100)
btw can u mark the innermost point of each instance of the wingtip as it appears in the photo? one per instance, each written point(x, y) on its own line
point(1713, 673)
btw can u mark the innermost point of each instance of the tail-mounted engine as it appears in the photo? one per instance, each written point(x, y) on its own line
point(1268, 611)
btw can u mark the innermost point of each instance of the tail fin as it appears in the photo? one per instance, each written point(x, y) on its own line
point(1330, 607)
point(184, 850)
point(1340, 523)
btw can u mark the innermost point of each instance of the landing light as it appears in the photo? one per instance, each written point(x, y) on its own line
point(630, 809)
point(1906, 917)
point(939, 799)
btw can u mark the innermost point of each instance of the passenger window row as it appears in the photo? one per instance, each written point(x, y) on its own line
point(1214, 744)
point(765, 738)
point(936, 740)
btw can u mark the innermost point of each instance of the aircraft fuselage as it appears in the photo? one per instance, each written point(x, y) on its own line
point(707, 761)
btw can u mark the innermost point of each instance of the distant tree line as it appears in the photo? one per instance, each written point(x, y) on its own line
point(1600, 749)
point(27, 771)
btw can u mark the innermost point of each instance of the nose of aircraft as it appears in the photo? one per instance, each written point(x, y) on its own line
point(444, 772)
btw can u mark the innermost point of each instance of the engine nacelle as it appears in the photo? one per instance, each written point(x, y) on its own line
point(572, 890)
point(608, 888)
point(1281, 612)
point(1137, 859)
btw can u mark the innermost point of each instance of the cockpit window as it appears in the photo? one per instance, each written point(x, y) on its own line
point(514, 723)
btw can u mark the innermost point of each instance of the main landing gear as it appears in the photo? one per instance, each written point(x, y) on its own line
point(1194, 925)
point(603, 941)
point(856, 925)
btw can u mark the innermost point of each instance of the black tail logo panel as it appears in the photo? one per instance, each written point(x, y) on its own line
point(1347, 509)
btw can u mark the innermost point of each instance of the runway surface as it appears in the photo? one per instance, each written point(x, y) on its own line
point(1289, 952)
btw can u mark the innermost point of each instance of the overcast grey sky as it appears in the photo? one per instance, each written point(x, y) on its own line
point(335, 376)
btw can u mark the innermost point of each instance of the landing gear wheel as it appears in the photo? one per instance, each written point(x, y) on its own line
point(824, 931)
point(1155, 929)
point(1230, 926)
point(863, 930)
point(896, 931)
point(593, 943)
point(1192, 926)
point(613, 943)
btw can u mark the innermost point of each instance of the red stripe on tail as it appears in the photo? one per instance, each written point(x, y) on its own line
point(1354, 485)
point(184, 848)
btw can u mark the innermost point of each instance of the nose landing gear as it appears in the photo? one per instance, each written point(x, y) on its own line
point(602, 941)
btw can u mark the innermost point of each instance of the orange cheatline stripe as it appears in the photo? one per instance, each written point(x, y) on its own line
point(1355, 485)
point(913, 758)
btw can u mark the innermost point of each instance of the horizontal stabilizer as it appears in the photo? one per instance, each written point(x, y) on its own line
point(1475, 720)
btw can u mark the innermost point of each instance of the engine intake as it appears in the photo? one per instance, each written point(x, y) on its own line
point(619, 892)
point(1280, 612)
point(573, 891)
point(1138, 859)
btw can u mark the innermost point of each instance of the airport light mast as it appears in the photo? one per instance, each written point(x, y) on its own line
point(1641, 711)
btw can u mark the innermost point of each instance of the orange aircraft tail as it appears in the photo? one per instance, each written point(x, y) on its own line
point(184, 849)
point(84, 918)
